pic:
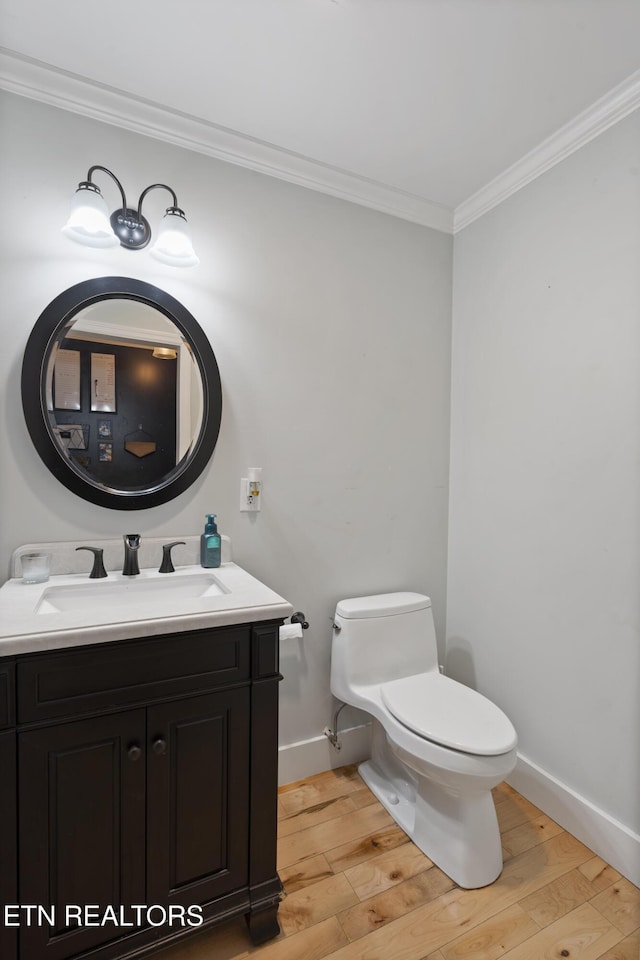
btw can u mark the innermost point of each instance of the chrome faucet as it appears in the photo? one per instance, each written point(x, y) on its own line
point(131, 547)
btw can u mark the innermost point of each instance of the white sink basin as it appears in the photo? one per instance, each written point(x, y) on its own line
point(71, 610)
point(91, 595)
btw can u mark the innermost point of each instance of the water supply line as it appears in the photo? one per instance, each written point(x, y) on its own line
point(331, 733)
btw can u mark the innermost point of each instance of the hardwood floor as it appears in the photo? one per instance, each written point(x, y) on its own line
point(357, 889)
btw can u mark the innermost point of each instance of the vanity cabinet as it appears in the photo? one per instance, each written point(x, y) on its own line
point(8, 816)
point(82, 826)
point(147, 776)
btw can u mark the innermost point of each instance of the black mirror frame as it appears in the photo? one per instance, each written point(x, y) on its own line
point(50, 323)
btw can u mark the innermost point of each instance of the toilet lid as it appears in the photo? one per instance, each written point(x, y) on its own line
point(446, 712)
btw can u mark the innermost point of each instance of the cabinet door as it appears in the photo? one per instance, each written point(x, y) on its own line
point(198, 782)
point(82, 827)
point(8, 864)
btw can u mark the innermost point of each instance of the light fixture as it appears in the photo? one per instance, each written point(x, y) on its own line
point(164, 353)
point(89, 223)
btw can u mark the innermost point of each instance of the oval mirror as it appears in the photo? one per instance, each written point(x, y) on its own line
point(121, 393)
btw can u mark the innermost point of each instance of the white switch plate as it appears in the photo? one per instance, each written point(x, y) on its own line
point(245, 505)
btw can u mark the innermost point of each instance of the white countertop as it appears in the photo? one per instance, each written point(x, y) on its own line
point(242, 599)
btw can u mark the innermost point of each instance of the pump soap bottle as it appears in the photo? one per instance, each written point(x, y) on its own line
point(210, 543)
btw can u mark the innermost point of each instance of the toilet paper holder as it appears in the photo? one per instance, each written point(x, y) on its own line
point(300, 618)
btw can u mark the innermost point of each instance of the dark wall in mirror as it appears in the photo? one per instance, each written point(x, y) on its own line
point(121, 393)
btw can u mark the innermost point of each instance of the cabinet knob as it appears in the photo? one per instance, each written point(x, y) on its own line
point(159, 746)
point(134, 752)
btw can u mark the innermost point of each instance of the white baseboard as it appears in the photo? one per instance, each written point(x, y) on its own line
point(609, 838)
point(308, 757)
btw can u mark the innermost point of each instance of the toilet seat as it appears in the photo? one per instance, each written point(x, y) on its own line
point(448, 713)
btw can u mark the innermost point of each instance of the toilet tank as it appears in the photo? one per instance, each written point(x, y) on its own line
point(381, 638)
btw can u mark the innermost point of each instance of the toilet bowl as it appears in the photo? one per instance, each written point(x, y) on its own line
point(438, 747)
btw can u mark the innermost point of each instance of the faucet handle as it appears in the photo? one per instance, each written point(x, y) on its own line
point(98, 571)
point(167, 563)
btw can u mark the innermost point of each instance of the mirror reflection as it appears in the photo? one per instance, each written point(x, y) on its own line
point(124, 394)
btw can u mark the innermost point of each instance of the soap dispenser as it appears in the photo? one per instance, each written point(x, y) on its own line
point(210, 543)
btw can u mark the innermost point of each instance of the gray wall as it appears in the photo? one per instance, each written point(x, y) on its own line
point(331, 326)
point(543, 598)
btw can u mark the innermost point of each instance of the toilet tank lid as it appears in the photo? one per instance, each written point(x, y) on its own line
point(382, 605)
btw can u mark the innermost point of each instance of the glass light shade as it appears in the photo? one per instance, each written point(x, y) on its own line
point(173, 242)
point(88, 221)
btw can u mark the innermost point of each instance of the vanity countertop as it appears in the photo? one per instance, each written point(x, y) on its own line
point(72, 610)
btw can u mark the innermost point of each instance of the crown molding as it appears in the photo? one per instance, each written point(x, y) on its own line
point(586, 126)
point(59, 88)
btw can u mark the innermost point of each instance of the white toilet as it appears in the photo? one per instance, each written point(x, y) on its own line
point(438, 747)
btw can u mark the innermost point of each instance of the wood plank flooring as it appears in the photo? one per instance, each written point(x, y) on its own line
point(357, 889)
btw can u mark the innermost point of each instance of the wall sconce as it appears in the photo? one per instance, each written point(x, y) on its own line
point(89, 223)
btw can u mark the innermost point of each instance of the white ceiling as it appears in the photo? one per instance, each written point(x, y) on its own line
point(427, 99)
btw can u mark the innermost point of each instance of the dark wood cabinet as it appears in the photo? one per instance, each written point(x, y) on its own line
point(198, 813)
point(8, 812)
point(147, 779)
point(8, 845)
point(82, 826)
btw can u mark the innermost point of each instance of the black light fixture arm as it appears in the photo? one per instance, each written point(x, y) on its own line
point(90, 184)
point(174, 209)
point(154, 186)
point(130, 227)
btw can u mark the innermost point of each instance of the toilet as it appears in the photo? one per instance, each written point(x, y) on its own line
point(438, 747)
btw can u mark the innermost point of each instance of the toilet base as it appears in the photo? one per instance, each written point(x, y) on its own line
point(459, 834)
point(391, 795)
